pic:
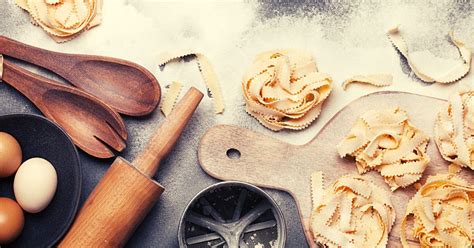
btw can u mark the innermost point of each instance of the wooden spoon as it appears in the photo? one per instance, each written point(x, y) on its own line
point(127, 87)
point(89, 121)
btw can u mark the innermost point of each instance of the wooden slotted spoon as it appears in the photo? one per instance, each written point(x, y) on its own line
point(125, 86)
point(91, 123)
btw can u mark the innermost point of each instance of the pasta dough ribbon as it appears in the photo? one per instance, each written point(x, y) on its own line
point(378, 80)
point(454, 74)
point(440, 213)
point(171, 97)
point(208, 74)
point(454, 129)
point(352, 212)
point(283, 89)
point(384, 140)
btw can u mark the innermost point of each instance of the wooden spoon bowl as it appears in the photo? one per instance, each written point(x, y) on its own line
point(120, 84)
point(127, 87)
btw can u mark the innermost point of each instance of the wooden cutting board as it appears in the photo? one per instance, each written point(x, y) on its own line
point(271, 163)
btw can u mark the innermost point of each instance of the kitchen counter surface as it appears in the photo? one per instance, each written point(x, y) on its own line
point(346, 38)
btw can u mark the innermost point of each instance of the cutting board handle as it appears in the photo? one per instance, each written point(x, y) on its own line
point(233, 153)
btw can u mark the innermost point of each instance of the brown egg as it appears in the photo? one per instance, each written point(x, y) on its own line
point(11, 220)
point(10, 155)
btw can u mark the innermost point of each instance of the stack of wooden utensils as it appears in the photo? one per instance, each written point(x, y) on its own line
point(88, 109)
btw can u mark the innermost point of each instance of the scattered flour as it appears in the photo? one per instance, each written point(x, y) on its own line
point(346, 40)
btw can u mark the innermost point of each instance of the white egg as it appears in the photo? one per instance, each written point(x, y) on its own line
point(35, 184)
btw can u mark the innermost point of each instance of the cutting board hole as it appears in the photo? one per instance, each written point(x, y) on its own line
point(233, 153)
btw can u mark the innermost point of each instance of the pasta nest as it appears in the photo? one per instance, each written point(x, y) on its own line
point(454, 129)
point(63, 19)
point(351, 212)
point(384, 140)
point(439, 215)
point(283, 89)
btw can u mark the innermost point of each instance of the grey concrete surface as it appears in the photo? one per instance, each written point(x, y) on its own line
point(340, 22)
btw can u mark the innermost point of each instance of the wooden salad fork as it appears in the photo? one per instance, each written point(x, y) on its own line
point(91, 124)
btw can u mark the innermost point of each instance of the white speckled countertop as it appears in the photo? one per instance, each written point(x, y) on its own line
point(346, 37)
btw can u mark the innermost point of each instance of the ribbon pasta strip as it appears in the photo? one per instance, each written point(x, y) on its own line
point(439, 215)
point(63, 20)
point(454, 129)
point(378, 80)
point(171, 97)
point(283, 89)
point(208, 74)
point(352, 212)
point(454, 74)
point(384, 140)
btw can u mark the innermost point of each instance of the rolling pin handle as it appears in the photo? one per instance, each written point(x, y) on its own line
point(166, 136)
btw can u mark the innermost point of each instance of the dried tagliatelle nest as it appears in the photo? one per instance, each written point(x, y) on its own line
point(384, 140)
point(454, 129)
point(352, 212)
point(439, 215)
point(283, 89)
point(63, 20)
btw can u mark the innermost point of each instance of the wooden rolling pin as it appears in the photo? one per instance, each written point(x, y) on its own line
point(126, 193)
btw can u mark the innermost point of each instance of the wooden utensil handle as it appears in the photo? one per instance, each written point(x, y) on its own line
point(166, 136)
point(28, 83)
point(54, 61)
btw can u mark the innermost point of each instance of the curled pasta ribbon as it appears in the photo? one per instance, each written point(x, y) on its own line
point(63, 20)
point(439, 214)
point(454, 129)
point(283, 89)
point(454, 74)
point(352, 212)
point(384, 140)
point(378, 80)
point(171, 97)
point(208, 74)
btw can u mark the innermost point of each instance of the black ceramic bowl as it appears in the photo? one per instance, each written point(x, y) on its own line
point(39, 137)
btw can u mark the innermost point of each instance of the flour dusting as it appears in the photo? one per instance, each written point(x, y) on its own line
point(345, 39)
